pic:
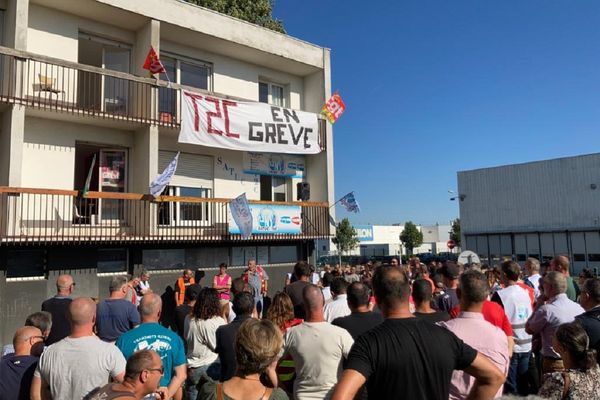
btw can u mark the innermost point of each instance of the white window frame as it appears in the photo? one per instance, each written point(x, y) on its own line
point(175, 208)
point(199, 63)
point(270, 86)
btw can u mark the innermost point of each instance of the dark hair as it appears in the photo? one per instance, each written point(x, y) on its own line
point(281, 310)
point(41, 320)
point(139, 361)
point(473, 287)
point(572, 338)
point(223, 265)
point(243, 303)
point(327, 279)
point(207, 304)
point(358, 295)
point(237, 285)
point(339, 285)
point(511, 269)
point(421, 291)
point(592, 288)
point(301, 268)
point(391, 286)
point(586, 273)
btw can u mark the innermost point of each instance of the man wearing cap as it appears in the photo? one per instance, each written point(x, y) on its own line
point(449, 299)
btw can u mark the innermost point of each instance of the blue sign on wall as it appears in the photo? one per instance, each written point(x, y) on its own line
point(272, 219)
point(364, 233)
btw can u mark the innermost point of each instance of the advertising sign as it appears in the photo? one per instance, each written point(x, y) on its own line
point(364, 233)
point(272, 219)
point(248, 126)
point(274, 164)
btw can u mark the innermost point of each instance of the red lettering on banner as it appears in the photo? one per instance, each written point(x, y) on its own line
point(228, 103)
point(195, 97)
point(210, 115)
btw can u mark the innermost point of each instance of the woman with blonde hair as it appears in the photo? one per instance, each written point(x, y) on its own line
point(257, 344)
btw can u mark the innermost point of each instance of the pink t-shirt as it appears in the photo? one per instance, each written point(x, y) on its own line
point(484, 337)
point(223, 282)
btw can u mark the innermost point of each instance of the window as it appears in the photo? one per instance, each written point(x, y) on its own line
point(271, 93)
point(25, 263)
point(161, 259)
point(579, 257)
point(188, 72)
point(184, 213)
point(521, 257)
point(111, 260)
point(273, 188)
point(594, 257)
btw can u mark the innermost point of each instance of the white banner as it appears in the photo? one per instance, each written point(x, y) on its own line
point(247, 126)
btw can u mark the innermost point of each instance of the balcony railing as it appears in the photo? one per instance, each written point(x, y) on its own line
point(63, 216)
point(63, 86)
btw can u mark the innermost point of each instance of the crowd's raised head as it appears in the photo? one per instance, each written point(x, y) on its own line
point(243, 303)
point(421, 291)
point(511, 270)
point(258, 344)
point(118, 284)
point(302, 269)
point(555, 283)
point(339, 286)
point(358, 295)
point(473, 288)
point(313, 299)
point(41, 320)
point(82, 312)
point(150, 307)
point(571, 338)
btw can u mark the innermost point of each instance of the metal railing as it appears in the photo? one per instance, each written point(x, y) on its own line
point(63, 86)
point(30, 215)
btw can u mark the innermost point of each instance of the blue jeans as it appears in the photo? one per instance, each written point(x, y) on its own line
point(516, 381)
point(211, 371)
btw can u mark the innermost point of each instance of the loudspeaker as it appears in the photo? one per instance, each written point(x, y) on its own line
point(303, 189)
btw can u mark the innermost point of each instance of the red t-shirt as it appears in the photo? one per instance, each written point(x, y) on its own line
point(493, 313)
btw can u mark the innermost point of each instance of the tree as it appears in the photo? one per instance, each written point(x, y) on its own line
point(259, 12)
point(455, 231)
point(411, 237)
point(345, 237)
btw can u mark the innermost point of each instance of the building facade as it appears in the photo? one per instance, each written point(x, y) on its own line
point(537, 209)
point(84, 131)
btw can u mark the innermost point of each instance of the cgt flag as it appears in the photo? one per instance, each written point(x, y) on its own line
point(241, 214)
point(153, 63)
point(350, 203)
point(162, 181)
point(334, 108)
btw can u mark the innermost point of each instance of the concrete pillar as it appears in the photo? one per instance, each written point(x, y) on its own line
point(16, 22)
point(147, 36)
point(144, 168)
point(11, 145)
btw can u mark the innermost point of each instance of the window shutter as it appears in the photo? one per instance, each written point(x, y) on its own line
point(193, 170)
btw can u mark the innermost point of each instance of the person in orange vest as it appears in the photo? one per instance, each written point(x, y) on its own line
point(182, 283)
point(257, 278)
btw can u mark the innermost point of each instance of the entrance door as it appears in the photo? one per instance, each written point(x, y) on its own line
point(113, 179)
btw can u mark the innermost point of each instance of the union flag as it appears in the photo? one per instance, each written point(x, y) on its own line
point(334, 108)
point(153, 63)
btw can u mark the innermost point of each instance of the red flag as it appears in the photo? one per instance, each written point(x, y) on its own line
point(334, 108)
point(153, 63)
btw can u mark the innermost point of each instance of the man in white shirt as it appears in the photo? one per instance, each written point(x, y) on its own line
point(532, 266)
point(318, 349)
point(339, 306)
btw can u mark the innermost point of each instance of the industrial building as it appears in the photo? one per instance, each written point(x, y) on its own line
point(77, 106)
point(537, 209)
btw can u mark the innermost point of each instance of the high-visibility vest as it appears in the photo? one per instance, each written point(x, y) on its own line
point(517, 306)
point(181, 285)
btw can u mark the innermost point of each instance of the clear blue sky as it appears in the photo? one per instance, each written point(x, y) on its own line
point(436, 87)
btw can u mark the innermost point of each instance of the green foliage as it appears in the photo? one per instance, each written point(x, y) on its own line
point(259, 12)
point(345, 237)
point(455, 232)
point(411, 237)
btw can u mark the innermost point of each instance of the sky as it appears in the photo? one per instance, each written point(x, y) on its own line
point(433, 87)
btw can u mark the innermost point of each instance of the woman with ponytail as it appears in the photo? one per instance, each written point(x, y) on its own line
point(581, 378)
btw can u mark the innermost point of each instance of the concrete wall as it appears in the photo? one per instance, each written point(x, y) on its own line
point(554, 194)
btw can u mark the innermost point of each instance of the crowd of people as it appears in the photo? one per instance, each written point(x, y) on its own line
point(438, 331)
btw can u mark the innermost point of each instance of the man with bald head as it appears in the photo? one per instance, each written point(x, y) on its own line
point(16, 370)
point(318, 349)
point(58, 306)
point(150, 335)
point(81, 362)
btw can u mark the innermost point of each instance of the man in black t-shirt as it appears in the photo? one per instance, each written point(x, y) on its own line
point(58, 306)
point(361, 319)
point(182, 311)
point(410, 357)
point(16, 370)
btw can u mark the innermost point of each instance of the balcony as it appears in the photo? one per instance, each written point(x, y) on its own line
point(62, 86)
point(46, 216)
